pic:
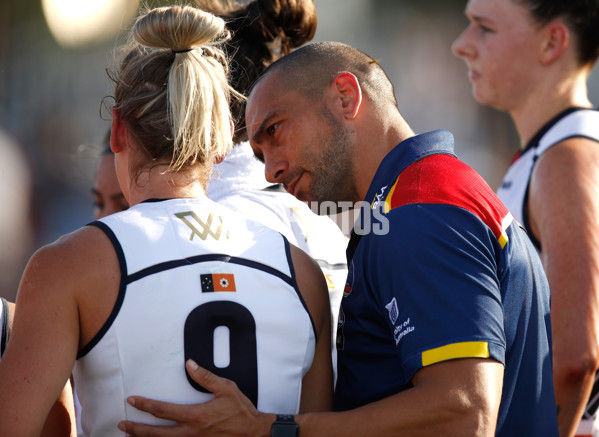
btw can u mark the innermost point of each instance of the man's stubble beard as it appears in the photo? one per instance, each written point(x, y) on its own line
point(333, 170)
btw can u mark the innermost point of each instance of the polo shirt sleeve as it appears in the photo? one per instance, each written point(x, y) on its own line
point(434, 276)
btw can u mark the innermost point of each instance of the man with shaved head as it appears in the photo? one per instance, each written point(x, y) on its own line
point(444, 326)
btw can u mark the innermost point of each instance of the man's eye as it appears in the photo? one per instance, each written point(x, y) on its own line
point(272, 129)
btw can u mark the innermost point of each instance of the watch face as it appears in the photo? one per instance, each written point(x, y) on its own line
point(284, 429)
point(284, 426)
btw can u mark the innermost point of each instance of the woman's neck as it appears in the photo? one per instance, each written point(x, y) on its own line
point(160, 183)
point(547, 102)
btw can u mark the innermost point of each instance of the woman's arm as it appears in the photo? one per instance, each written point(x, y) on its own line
point(317, 385)
point(564, 216)
point(46, 333)
point(61, 419)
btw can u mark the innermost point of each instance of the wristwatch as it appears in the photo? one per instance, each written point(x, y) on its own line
point(284, 426)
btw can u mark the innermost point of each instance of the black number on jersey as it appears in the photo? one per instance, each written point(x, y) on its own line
point(199, 344)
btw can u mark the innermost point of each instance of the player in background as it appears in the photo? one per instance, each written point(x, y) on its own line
point(107, 193)
point(262, 32)
point(532, 58)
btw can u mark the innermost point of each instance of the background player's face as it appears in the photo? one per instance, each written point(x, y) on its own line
point(108, 197)
point(304, 146)
point(501, 47)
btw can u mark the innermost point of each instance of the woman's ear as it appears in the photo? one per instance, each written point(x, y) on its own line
point(555, 42)
point(349, 93)
point(118, 133)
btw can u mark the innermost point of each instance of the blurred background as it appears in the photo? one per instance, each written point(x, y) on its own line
point(53, 60)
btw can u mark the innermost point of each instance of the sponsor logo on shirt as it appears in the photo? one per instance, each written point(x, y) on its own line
point(393, 311)
point(402, 330)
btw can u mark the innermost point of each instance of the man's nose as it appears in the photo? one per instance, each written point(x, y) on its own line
point(275, 168)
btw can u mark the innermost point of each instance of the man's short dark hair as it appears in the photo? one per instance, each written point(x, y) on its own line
point(311, 68)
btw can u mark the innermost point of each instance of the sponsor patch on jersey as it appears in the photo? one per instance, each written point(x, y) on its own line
point(401, 330)
point(218, 282)
point(393, 311)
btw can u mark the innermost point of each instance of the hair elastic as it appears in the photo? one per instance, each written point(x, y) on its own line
point(182, 51)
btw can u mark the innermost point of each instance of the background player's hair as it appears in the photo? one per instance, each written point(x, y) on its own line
point(581, 16)
point(171, 87)
point(262, 31)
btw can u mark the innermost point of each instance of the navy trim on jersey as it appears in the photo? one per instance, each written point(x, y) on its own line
point(173, 264)
point(155, 200)
point(525, 221)
point(122, 287)
point(295, 286)
point(4, 327)
point(533, 143)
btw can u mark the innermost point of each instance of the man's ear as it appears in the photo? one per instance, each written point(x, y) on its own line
point(555, 41)
point(349, 93)
point(118, 132)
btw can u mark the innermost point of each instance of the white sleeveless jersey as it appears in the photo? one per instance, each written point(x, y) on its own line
point(574, 122)
point(198, 281)
point(3, 325)
point(239, 184)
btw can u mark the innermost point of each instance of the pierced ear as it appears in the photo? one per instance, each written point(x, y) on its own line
point(118, 132)
point(555, 42)
point(349, 92)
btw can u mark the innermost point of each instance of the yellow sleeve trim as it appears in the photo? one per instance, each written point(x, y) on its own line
point(467, 349)
point(503, 238)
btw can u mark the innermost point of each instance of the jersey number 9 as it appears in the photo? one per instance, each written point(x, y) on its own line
point(199, 344)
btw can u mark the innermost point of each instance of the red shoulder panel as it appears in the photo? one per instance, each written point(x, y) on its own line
point(444, 179)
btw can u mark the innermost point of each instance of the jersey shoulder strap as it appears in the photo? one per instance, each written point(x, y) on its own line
point(4, 315)
point(577, 124)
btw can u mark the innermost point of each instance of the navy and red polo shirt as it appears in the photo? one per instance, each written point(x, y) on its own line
point(453, 276)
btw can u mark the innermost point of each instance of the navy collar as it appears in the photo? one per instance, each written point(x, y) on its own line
point(406, 153)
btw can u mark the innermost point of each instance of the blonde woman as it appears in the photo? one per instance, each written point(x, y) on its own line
point(129, 299)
